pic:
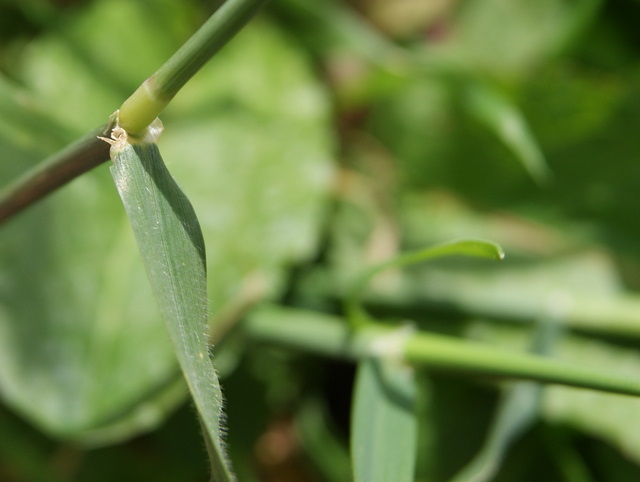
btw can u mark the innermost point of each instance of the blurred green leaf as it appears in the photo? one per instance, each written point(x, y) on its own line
point(384, 423)
point(468, 248)
point(68, 347)
point(510, 37)
point(321, 443)
point(260, 203)
point(23, 124)
point(337, 26)
point(504, 120)
point(569, 103)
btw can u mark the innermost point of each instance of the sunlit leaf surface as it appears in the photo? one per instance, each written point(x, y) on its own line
point(172, 248)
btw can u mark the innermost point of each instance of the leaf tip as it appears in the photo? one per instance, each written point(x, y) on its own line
point(478, 248)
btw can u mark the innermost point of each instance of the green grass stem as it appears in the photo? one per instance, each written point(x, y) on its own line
point(54, 172)
point(332, 336)
point(146, 103)
point(136, 113)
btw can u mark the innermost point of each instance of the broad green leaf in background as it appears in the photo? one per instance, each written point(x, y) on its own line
point(337, 26)
point(172, 247)
point(262, 210)
point(62, 342)
point(486, 104)
point(24, 125)
point(510, 37)
point(384, 422)
point(248, 137)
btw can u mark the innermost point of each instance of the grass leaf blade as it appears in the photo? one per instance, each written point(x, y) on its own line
point(518, 410)
point(506, 121)
point(384, 422)
point(473, 248)
point(170, 241)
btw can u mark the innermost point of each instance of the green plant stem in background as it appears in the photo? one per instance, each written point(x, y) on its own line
point(331, 336)
point(136, 113)
point(54, 172)
point(146, 103)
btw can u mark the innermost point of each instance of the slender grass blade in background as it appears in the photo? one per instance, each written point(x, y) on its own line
point(468, 247)
point(519, 409)
point(384, 422)
point(322, 441)
point(504, 119)
point(517, 412)
point(172, 247)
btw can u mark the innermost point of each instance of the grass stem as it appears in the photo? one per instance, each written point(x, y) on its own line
point(146, 103)
point(54, 172)
point(331, 336)
point(136, 113)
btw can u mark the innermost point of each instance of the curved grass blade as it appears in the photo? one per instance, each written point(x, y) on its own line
point(469, 247)
point(384, 422)
point(504, 119)
point(322, 442)
point(517, 412)
point(170, 241)
point(519, 409)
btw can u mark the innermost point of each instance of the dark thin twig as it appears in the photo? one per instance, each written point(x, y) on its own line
point(138, 111)
point(64, 166)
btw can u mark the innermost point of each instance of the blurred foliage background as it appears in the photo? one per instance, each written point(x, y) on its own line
point(326, 137)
